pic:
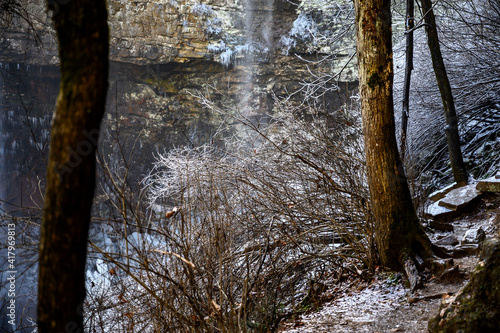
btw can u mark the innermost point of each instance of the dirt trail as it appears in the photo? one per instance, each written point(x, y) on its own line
point(385, 305)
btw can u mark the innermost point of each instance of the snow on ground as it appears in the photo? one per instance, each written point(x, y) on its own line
point(369, 310)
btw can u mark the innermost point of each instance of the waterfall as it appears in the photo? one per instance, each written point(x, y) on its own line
point(259, 47)
point(244, 105)
point(267, 29)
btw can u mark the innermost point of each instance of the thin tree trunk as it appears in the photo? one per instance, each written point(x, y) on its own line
point(451, 129)
point(82, 32)
point(397, 230)
point(410, 23)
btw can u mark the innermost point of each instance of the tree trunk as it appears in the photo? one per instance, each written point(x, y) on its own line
point(82, 32)
point(410, 23)
point(397, 229)
point(451, 129)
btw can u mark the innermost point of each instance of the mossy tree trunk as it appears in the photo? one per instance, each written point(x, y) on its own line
point(398, 231)
point(82, 32)
point(451, 129)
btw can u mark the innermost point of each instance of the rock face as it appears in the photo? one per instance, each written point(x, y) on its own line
point(238, 47)
point(477, 307)
point(147, 32)
point(164, 54)
point(235, 47)
point(155, 31)
point(160, 31)
point(27, 100)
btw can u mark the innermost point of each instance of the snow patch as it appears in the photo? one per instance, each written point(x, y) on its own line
point(436, 210)
point(362, 308)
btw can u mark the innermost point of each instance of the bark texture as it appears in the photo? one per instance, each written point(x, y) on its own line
point(451, 129)
point(82, 32)
point(398, 231)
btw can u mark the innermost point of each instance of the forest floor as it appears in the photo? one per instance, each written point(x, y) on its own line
point(382, 303)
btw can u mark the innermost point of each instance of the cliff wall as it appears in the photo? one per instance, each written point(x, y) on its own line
point(164, 54)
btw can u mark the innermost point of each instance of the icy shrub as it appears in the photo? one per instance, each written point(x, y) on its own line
point(259, 220)
point(304, 29)
point(234, 239)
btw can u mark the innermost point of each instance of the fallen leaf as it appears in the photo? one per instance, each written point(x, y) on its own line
point(216, 306)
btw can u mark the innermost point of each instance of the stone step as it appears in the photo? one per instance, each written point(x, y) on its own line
point(435, 211)
point(489, 185)
point(460, 197)
point(440, 194)
point(450, 200)
point(442, 225)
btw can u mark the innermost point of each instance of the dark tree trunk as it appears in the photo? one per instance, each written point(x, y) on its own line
point(451, 129)
point(397, 228)
point(82, 32)
point(410, 23)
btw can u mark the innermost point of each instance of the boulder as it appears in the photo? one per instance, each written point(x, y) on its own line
point(473, 236)
point(460, 197)
point(464, 250)
point(448, 240)
point(477, 307)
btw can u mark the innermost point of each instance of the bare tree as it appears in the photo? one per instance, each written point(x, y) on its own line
point(469, 45)
point(451, 129)
point(409, 25)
